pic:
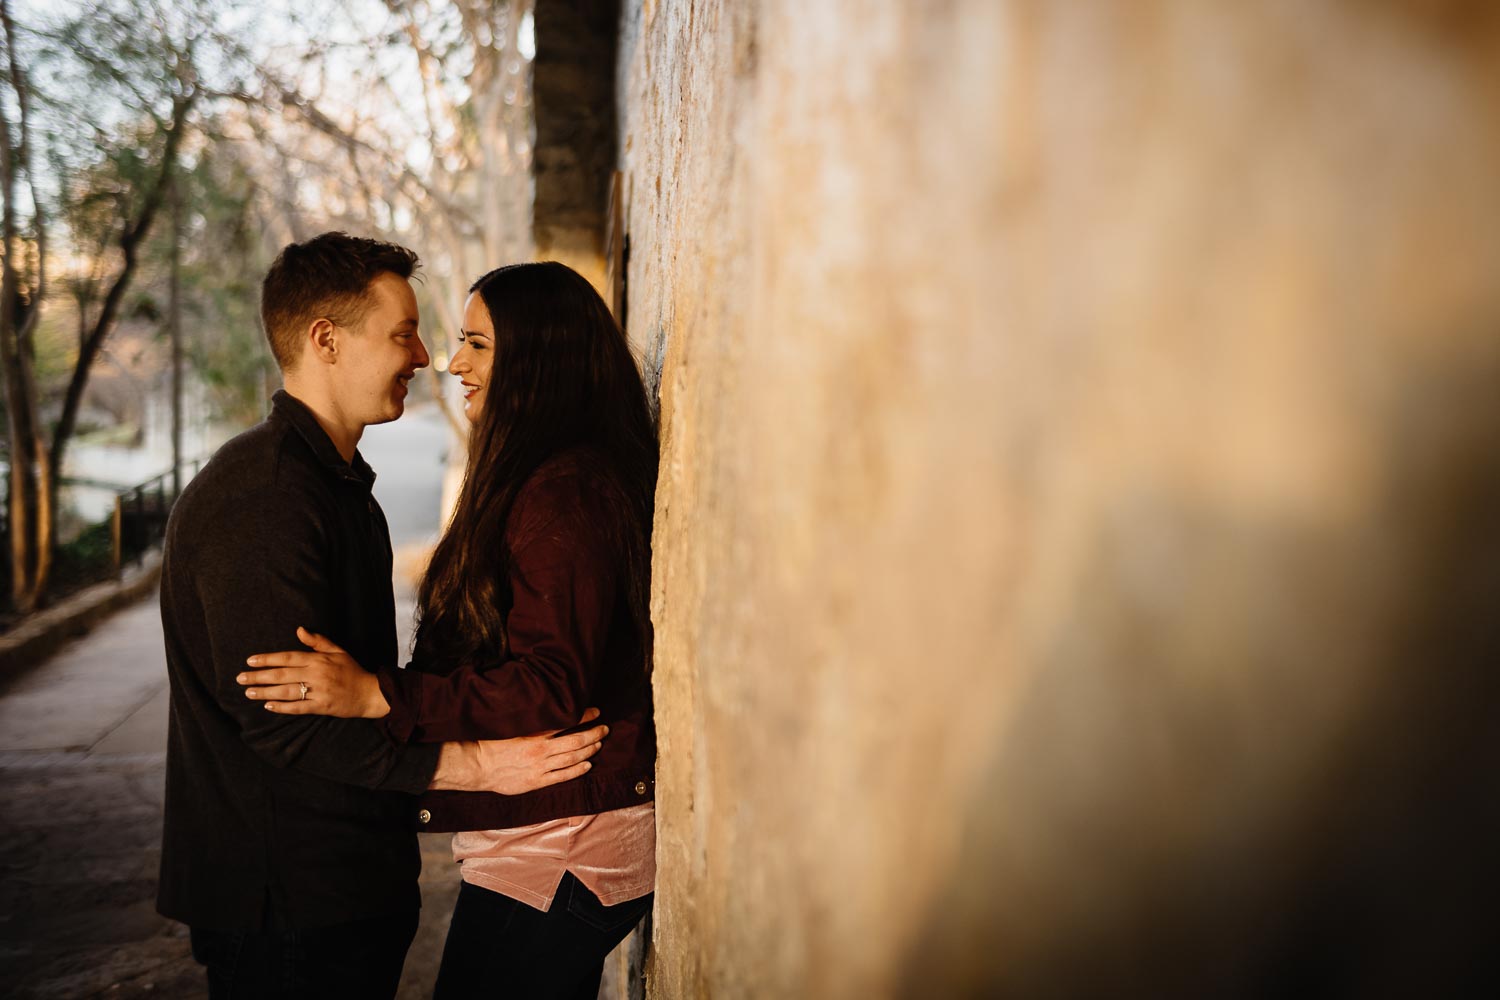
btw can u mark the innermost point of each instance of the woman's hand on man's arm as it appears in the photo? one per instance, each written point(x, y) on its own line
point(325, 681)
point(337, 685)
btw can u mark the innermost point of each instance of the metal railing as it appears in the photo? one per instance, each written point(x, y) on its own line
point(102, 550)
point(139, 522)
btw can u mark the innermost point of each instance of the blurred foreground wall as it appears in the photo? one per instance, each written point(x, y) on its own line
point(1077, 557)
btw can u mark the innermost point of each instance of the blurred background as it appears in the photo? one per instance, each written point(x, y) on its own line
point(159, 155)
point(1076, 556)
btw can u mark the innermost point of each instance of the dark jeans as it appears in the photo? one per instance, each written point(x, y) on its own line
point(498, 947)
point(358, 959)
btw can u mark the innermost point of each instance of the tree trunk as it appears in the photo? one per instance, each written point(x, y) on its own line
point(174, 330)
point(28, 494)
point(130, 239)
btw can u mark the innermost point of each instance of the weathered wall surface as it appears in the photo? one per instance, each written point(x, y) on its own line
point(1075, 555)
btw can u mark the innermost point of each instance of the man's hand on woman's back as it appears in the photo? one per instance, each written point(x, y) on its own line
point(518, 765)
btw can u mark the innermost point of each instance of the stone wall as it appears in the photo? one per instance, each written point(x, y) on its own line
point(1076, 551)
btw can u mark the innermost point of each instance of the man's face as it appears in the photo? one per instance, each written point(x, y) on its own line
point(381, 354)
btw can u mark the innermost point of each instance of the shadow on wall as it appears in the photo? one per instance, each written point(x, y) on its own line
point(1314, 814)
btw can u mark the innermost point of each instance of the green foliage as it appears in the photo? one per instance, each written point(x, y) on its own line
point(220, 268)
point(106, 75)
point(86, 560)
point(56, 344)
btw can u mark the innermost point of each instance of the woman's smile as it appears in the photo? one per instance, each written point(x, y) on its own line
point(471, 365)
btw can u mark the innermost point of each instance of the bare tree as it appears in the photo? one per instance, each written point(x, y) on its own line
point(135, 188)
point(450, 174)
point(430, 146)
point(135, 225)
point(20, 304)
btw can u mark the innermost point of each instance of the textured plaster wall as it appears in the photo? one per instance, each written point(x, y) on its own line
point(1075, 557)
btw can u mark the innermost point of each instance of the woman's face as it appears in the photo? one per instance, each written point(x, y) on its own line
point(476, 353)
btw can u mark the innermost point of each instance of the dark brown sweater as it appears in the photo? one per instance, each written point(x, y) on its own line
point(310, 817)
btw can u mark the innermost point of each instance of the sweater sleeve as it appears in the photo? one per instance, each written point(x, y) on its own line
point(257, 583)
point(562, 576)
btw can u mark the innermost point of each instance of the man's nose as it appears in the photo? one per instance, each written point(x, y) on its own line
point(420, 357)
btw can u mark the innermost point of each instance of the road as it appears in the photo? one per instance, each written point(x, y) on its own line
point(82, 740)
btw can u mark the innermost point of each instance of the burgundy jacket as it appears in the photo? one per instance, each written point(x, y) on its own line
point(571, 644)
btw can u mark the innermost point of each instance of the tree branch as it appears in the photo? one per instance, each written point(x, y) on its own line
point(134, 231)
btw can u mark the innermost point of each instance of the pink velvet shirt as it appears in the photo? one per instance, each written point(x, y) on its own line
point(612, 853)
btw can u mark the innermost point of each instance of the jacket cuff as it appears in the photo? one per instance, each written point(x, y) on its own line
point(414, 768)
point(404, 696)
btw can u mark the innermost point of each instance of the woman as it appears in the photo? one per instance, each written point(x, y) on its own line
point(535, 605)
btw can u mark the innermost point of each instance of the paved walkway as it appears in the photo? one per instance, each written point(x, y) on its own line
point(82, 740)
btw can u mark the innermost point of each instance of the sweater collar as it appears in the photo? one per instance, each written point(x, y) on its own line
point(295, 412)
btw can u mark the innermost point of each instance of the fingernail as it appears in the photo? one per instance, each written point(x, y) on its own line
point(240, 679)
point(606, 731)
point(587, 764)
point(252, 660)
point(249, 692)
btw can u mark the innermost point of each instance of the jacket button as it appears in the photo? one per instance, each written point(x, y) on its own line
point(640, 788)
point(424, 817)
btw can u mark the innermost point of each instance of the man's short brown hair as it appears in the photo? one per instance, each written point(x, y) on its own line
point(329, 277)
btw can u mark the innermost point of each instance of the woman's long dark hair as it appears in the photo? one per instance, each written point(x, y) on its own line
point(562, 378)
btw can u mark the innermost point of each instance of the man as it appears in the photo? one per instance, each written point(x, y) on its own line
point(289, 846)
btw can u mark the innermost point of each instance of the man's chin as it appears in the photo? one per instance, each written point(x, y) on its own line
point(398, 401)
point(392, 412)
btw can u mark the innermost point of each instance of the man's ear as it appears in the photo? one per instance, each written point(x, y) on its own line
point(322, 337)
